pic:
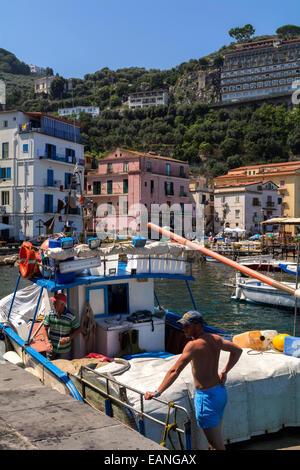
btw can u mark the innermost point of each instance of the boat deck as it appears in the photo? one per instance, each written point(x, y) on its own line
point(36, 417)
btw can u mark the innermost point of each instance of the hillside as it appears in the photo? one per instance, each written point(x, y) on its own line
point(211, 140)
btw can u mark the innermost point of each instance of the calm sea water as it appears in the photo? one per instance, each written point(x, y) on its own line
point(212, 299)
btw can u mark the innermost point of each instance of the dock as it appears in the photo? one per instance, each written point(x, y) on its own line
point(36, 417)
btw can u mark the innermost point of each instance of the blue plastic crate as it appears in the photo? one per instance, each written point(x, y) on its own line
point(292, 346)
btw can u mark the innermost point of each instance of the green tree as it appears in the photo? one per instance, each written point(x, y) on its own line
point(57, 87)
point(242, 34)
point(288, 31)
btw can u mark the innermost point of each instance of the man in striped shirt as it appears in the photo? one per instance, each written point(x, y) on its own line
point(62, 326)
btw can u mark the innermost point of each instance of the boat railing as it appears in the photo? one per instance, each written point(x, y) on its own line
point(184, 431)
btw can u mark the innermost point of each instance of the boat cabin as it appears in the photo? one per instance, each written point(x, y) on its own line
point(119, 293)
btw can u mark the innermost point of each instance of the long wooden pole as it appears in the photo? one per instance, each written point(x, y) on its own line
point(233, 264)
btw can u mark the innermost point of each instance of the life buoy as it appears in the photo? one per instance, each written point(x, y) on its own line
point(27, 258)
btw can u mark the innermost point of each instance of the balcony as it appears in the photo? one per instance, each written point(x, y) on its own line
point(36, 127)
point(52, 184)
point(57, 157)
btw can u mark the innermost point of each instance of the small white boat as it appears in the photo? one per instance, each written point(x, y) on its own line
point(251, 290)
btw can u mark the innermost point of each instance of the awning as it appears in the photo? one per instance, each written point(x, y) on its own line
point(283, 221)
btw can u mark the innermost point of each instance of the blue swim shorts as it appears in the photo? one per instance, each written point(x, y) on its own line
point(209, 406)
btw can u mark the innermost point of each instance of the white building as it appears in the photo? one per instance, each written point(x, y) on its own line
point(93, 110)
point(144, 99)
point(43, 85)
point(246, 205)
point(38, 154)
point(36, 69)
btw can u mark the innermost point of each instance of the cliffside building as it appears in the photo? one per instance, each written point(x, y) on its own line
point(144, 99)
point(261, 69)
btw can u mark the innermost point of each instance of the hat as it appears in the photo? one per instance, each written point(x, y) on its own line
point(191, 317)
point(61, 297)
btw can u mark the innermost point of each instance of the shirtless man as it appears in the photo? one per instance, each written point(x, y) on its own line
point(210, 392)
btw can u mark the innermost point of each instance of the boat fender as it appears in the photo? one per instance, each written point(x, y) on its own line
point(27, 258)
point(278, 341)
point(250, 339)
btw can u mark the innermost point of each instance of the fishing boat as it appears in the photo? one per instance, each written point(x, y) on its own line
point(129, 341)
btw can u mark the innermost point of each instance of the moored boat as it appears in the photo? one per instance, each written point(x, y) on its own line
point(112, 293)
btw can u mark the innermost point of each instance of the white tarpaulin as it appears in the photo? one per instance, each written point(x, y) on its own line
point(262, 394)
point(24, 305)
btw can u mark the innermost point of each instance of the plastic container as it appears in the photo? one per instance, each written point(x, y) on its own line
point(258, 340)
point(291, 346)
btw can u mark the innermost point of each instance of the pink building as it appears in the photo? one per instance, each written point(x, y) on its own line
point(127, 185)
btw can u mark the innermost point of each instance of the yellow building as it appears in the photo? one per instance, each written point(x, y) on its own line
point(285, 175)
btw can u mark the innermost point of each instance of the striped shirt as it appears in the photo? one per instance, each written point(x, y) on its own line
point(61, 327)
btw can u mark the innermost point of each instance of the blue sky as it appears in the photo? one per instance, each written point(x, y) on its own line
point(76, 37)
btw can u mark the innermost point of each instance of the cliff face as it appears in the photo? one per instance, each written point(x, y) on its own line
point(199, 86)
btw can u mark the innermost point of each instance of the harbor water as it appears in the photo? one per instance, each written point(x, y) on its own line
point(212, 298)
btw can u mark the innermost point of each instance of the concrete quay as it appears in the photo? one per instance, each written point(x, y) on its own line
point(36, 417)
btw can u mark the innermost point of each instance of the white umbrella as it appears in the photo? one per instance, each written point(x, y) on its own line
point(5, 226)
point(234, 230)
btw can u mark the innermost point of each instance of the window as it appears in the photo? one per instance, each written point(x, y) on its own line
point(70, 155)
point(182, 192)
point(97, 187)
point(149, 166)
point(109, 187)
point(169, 188)
point(125, 207)
point(237, 214)
point(237, 198)
point(125, 166)
point(5, 150)
point(5, 173)
point(68, 180)
point(125, 186)
point(5, 198)
point(168, 169)
point(109, 168)
point(50, 151)
point(152, 187)
point(181, 172)
point(50, 178)
point(25, 148)
point(5, 123)
point(48, 207)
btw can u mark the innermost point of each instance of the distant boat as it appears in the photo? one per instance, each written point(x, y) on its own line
point(264, 263)
point(211, 260)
